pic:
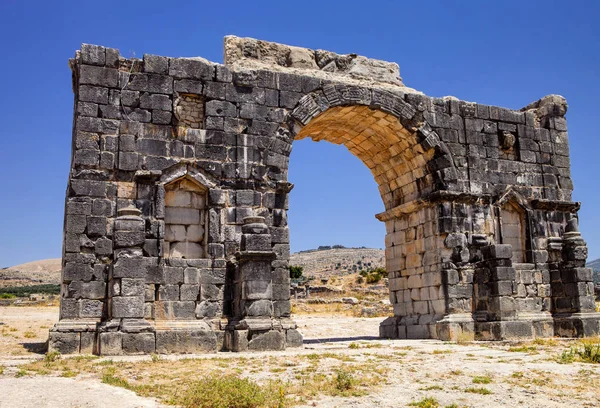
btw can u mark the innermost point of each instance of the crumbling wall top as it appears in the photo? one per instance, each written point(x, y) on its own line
point(253, 53)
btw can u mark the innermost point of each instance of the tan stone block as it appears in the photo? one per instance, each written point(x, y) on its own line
point(413, 260)
point(175, 233)
point(415, 281)
point(421, 307)
point(415, 294)
point(433, 293)
point(178, 198)
point(424, 294)
point(438, 306)
point(194, 233)
point(187, 250)
point(126, 190)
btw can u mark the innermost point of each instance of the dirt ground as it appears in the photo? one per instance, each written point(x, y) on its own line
point(388, 373)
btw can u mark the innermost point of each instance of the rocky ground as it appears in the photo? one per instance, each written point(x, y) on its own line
point(383, 373)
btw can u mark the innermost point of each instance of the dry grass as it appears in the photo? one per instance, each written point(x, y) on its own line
point(297, 380)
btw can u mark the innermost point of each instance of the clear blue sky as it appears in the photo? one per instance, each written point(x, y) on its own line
point(506, 53)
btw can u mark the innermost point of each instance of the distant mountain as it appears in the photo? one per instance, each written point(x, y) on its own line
point(327, 261)
point(595, 265)
point(46, 271)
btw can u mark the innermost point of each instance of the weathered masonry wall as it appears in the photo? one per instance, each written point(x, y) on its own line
point(176, 236)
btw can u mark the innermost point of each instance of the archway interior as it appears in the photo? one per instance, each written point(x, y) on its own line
point(396, 160)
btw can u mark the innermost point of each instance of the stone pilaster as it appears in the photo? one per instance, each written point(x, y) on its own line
point(254, 325)
point(126, 331)
point(575, 312)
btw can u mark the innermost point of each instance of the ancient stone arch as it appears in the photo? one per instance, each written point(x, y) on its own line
point(176, 236)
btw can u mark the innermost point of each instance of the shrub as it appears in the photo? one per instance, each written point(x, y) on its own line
point(343, 381)
point(484, 379)
point(425, 403)
point(363, 273)
point(360, 279)
point(51, 357)
point(231, 391)
point(296, 271)
point(478, 390)
point(590, 352)
point(380, 271)
point(7, 296)
point(373, 277)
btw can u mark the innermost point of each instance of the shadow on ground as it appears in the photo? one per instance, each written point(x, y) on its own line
point(38, 348)
point(341, 339)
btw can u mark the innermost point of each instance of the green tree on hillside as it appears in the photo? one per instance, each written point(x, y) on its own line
point(296, 271)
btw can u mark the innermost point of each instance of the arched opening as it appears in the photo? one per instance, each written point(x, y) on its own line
point(404, 168)
point(392, 153)
point(333, 200)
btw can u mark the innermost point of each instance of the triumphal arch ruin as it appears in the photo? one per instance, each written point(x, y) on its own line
point(176, 236)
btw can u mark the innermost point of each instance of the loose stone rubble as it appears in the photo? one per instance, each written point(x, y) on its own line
point(176, 236)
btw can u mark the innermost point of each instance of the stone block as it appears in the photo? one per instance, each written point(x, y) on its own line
point(100, 76)
point(184, 216)
point(236, 340)
point(282, 308)
point(189, 292)
point(93, 54)
point(125, 239)
point(87, 290)
point(257, 289)
point(173, 275)
point(133, 287)
point(208, 309)
point(139, 343)
point(77, 271)
point(262, 308)
point(168, 292)
point(221, 108)
point(188, 68)
point(270, 340)
point(210, 291)
point(186, 341)
point(184, 310)
point(498, 251)
point(64, 342)
point(88, 343)
point(130, 268)
point(110, 344)
point(156, 64)
point(417, 332)
point(127, 306)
